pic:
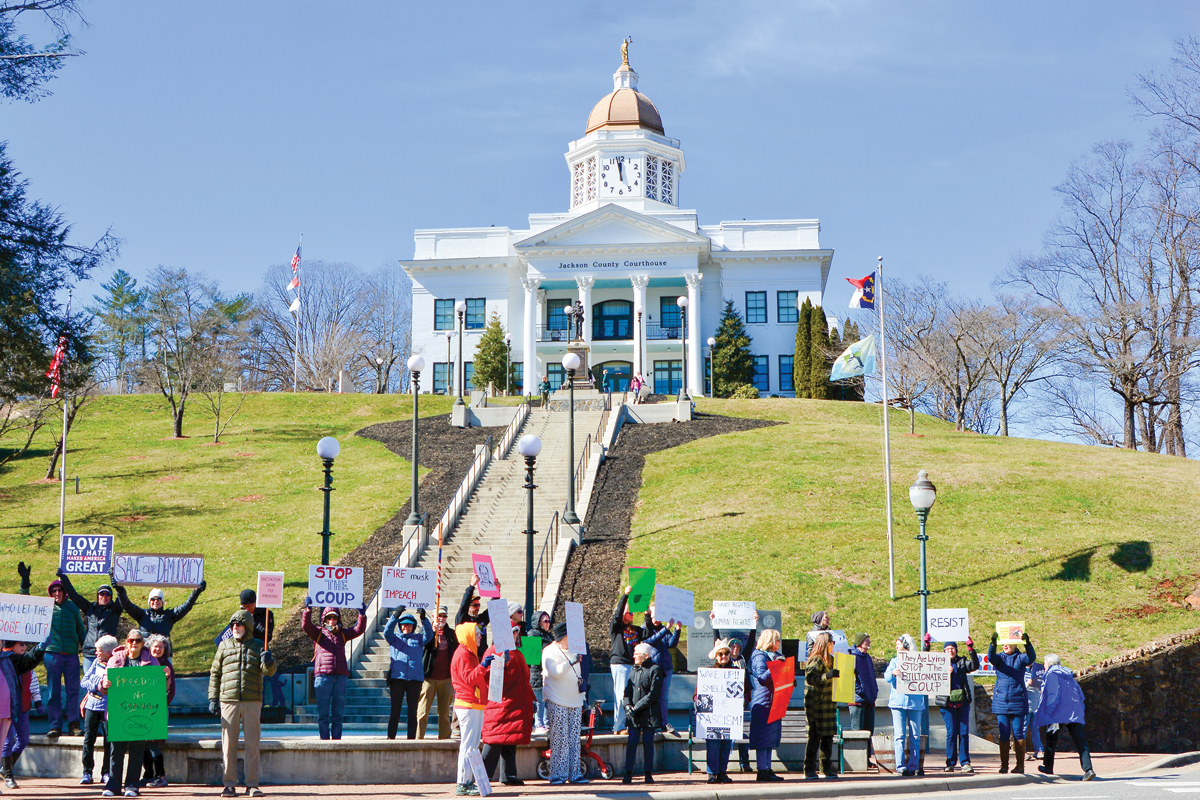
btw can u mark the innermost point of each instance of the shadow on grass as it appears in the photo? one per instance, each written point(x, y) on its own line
point(1133, 556)
point(106, 521)
point(657, 531)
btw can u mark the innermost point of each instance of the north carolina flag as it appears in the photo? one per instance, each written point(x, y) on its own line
point(295, 283)
point(54, 373)
point(859, 359)
point(864, 292)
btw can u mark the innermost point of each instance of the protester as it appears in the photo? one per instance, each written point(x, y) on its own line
point(737, 660)
point(470, 677)
point(156, 617)
point(406, 673)
point(1062, 705)
point(819, 709)
point(95, 713)
point(1033, 691)
point(235, 690)
point(866, 690)
point(906, 714)
point(438, 685)
point(10, 701)
point(331, 673)
point(956, 706)
point(1009, 703)
point(264, 631)
point(565, 687)
point(643, 709)
point(625, 636)
point(17, 739)
point(764, 735)
point(541, 628)
point(133, 654)
point(471, 610)
point(716, 758)
point(101, 617)
point(820, 624)
point(67, 632)
point(662, 638)
point(155, 776)
point(508, 722)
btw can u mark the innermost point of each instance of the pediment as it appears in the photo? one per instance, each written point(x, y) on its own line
point(610, 226)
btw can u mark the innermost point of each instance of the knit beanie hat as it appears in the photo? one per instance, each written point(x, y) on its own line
point(816, 618)
point(560, 631)
point(155, 593)
point(514, 607)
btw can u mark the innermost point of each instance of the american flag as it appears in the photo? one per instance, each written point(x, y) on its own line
point(295, 284)
point(54, 373)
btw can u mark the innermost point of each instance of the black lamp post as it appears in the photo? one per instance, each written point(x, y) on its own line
point(507, 365)
point(327, 449)
point(712, 343)
point(922, 494)
point(449, 365)
point(529, 446)
point(415, 365)
point(570, 363)
point(461, 308)
point(682, 302)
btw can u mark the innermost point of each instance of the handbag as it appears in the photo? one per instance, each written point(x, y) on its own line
point(959, 696)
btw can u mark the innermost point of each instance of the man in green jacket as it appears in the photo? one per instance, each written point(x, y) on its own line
point(62, 657)
point(235, 690)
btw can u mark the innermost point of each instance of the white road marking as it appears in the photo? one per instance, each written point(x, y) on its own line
point(1188, 790)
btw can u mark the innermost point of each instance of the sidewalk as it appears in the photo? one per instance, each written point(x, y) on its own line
point(669, 786)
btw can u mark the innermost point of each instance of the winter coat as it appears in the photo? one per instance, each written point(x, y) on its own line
point(561, 674)
point(623, 639)
point(482, 619)
point(1009, 694)
point(97, 698)
point(121, 658)
point(1034, 675)
point(329, 649)
point(909, 702)
point(150, 621)
point(510, 721)
point(743, 659)
point(819, 709)
point(238, 668)
point(763, 735)
point(101, 620)
point(24, 665)
point(866, 687)
point(429, 659)
point(535, 670)
point(643, 695)
point(468, 677)
point(960, 667)
point(66, 627)
point(1062, 698)
point(662, 639)
point(407, 650)
point(11, 709)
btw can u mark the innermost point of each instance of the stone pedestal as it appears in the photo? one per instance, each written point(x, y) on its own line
point(460, 416)
point(582, 374)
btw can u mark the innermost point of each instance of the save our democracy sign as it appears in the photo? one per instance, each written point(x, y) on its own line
point(85, 555)
point(158, 569)
point(922, 673)
point(25, 618)
point(337, 587)
point(413, 588)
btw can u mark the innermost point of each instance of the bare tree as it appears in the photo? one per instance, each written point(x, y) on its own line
point(387, 328)
point(1072, 406)
point(22, 419)
point(225, 360)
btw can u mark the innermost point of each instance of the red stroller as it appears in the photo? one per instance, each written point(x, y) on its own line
point(593, 765)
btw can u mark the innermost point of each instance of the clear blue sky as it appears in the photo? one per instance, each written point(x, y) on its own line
point(210, 135)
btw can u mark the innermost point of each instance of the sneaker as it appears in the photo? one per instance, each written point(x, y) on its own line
point(581, 781)
point(747, 768)
point(711, 779)
point(1087, 776)
point(967, 768)
point(229, 791)
point(254, 792)
point(668, 728)
point(460, 790)
point(907, 773)
point(472, 790)
point(108, 793)
point(10, 782)
point(104, 778)
point(86, 779)
point(540, 731)
point(131, 792)
point(158, 783)
point(949, 768)
point(557, 781)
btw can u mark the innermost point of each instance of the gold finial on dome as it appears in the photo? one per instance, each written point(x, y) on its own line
point(625, 50)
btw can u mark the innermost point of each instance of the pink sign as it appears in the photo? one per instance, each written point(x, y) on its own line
point(270, 590)
point(487, 575)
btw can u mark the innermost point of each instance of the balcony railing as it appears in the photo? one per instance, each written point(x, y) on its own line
point(547, 334)
point(654, 331)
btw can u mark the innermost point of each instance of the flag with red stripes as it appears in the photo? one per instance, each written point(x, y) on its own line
point(54, 373)
point(295, 284)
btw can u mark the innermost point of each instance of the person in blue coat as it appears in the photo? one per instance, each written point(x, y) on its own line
point(1009, 702)
point(907, 710)
point(407, 672)
point(866, 689)
point(1062, 706)
point(765, 736)
point(662, 638)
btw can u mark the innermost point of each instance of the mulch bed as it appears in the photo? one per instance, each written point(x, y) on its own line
point(447, 452)
point(593, 575)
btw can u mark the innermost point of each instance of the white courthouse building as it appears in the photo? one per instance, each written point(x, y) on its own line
point(626, 251)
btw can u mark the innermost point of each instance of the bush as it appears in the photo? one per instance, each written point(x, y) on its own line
point(746, 391)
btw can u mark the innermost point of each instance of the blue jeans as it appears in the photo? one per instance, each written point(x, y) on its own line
point(620, 676)
point(1034, 738)
point(276, 684)
point(663, 699)
point(1011, 725)
point(907, 723)
point(331, 702)
point(539, 709)
point(958, 734)
point(64, 667)
point(18, 736)
point(716, 759)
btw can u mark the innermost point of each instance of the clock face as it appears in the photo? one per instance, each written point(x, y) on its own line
point(620, 176)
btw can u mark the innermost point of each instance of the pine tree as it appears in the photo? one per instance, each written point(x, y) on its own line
point(818, 374)
point(852, 389)
point(491, 356)
point(121, 314)
point(732, 363)
point(802, 358)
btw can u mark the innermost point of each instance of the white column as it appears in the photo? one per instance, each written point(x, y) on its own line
point(696, 337)
point(585, 284)
point(529, 371)
point(639, 331)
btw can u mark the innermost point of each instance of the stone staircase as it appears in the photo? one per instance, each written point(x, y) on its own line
point(493, 524)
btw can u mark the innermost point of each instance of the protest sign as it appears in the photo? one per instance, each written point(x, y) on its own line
point(840, 643)
point(85, 555)
point(922, 673)
point(986, 668)
point(158, 569)
point(496, 679)
point(948, 624)
point(137, 704)
point(736, 614)
point(337, 587)
point(720, 695)
point(412, 588)
point(531, 649)
point(641, 583)
point(500, 625)
point(671, 603)
point(270, 590)
point(1010, 632)
point(25, 618)
point(482, 782)
point(486, 570)
point(783, 678)
point(576, 643)
point(843, 684)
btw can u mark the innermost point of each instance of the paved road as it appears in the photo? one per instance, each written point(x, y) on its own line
point(1157, 785)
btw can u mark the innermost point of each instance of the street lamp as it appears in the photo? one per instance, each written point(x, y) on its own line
point(922, 494)
point(449, 363)
point(529, 446)
point(569, 312)
point(327, 449)
point(379, 374)
point(712, 343)
point(570, 363)
point(415, 365)
point(461, 308)
point(507, 368)
point(682, 302)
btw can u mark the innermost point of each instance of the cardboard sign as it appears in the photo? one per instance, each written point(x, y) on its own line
point(486, 571)
point(720, 698)
point(501, 627)
point(840, 643)
point(736, 614)
point(158, 569)
point(576, 641)
point(85, 555)
point(477, 769)
point(25, 618)
point(1010, 632)
point(270, 590)
point(783, 677)
point(412, 588)
point(922, 673)
point(673, 603)
point(496, 679)
point(948, 624)
point(641, 582)
point(137, 704)
point(335, 587)
point(531, 649)
point(843, 684)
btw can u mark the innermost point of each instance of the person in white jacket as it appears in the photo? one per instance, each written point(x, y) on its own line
point(562, 686)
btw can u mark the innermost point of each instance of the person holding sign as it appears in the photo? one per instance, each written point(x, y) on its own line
point(438, 686)
point(643, 709)
point(470, 677)
point(662, 638)
point(542, 627)
point(1009, 703)
point(133, 654)
point(716, 751)
point(24, 680)
point(764, 735)
point(95, 708)
point(509, 721)
point(331, 673)
point(102, 617)
point(469, 611)
point(62, 657)
point(407, 671)
point(235, 690)
point(264, 628)
point(565, 687)
point(156, 617)
point(906, 714)
point(819, 709)
point(956, 707)
point(624, 637)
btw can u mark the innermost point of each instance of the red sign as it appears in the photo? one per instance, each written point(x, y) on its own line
point(783, 676)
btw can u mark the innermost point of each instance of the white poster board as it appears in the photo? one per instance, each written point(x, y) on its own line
point(411, 588)
point(270, 590)
point(671, 603)
point(720, 697)
point(481, 778)
point(496, 679)
point(922, 673)
point(733, 615)
point(25, 618)
point(948, 624)
point(500, 625)
point(335, 587)
point(840, 643)
point(158, 569)
point(576, 643)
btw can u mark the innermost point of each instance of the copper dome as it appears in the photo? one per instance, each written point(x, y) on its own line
point(625, 108)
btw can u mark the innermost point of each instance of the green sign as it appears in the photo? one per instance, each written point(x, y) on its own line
point(137, 704)
point(531, 648)
point(642, 583)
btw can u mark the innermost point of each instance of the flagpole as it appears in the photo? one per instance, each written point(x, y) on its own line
point(296, 351)
point(887, 439)
point(62, 500)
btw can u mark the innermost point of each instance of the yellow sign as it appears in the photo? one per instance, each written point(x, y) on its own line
point(843, 684)
point(1009, 632)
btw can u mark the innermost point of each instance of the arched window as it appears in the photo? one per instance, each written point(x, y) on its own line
point(613, 376)
point(612, 319)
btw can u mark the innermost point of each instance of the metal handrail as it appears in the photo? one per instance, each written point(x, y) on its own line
point(581, 465)
point(549, 545)
point(660, 332)
point(510, 433)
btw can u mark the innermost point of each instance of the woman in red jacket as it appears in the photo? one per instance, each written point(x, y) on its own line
point(509, 722)
point(469, 676)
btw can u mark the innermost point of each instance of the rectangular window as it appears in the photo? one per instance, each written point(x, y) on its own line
point(441, 377)
point(785, 373)
point(668, 310)
point(785, 307)
point(756, 308)
point(556, 317)
point(668, 377)
point(443, 315)
point(517, 378)
point(476, 313)
point(557, 376)
point(469, 373)
point(708, 376)
point(762, 373)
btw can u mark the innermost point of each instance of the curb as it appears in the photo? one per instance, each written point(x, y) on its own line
point(850, 787)
point(1169, 762)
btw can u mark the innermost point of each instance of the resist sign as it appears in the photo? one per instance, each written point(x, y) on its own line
point(413, 588)
point(85, 555)
point(948, 624)
point(922, 673)
point(338, 587)
point(25, 618)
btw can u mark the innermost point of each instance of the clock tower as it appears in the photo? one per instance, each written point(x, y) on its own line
point(624, 157)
